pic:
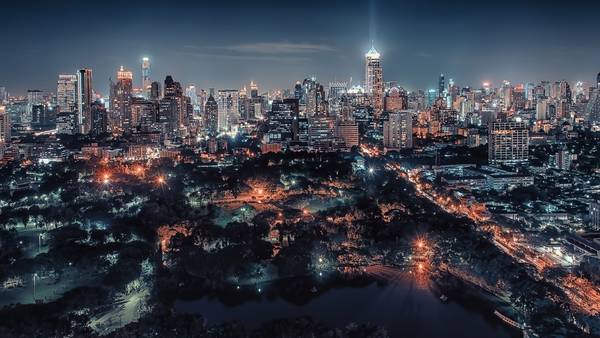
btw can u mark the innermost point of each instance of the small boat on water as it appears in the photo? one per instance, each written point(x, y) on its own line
point(444, 298)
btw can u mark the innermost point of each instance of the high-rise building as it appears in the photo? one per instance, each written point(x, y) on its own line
point(508, 142)
point(99, 119)
point(5, 126)
point(66, 93)
point(374, 79)
point(155, 91)
point(146, 83)
point(143, 113)
point(84, 100)
point(441, 86)
point(190, 91)
point(283, 119)
point(120, 102)
point(228, 108)
point(598, 81)
point(397, 131)
point(3, 95)
point(35, 98)
point(211, 110)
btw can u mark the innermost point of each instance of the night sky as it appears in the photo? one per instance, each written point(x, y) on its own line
point(224, 44)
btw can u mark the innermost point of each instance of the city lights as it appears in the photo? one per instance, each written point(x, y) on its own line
point(296, 170)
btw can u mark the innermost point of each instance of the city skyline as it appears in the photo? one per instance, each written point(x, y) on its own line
point(283, 49)
point(315, 169)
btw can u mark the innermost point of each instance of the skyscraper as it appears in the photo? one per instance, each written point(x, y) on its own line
point(4, 126)
point(120, 102)
point(211, 110)
point(441, 85)
point(228, 109)
point(146, 83)
point(66, 93)
point(508, 142)
point(84, 100)
point(374, 79)
point(3, 95)
point(99, 119)
point(155, 91)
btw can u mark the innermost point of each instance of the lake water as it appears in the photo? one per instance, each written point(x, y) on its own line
point(405, 309)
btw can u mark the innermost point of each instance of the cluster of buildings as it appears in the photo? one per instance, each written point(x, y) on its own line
point(310, 116)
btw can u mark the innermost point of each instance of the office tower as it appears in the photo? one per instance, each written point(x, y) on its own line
point(283, 121)
point(397, 131)
point(146, 83)
point(40, 117)
point(598, 81)
point(143, 113)
point(321, 131)
point(66, 93)
point(432, 95)
point(228, 109)
point(508, 142)
point(253, 90)
point(84, 100)
point(592, 111)
point(190, 91)
point(120, 102)
point(334, 97)
point(309, 96)
point(174, 108)
point(99, 119)
point(211, 110)
point(441, 85)
point(506, 94)
point(202, 97)
point(34, 98)
point(374, 79)
point(298, 91)
point(348, 132)
point(155, 91)
point(5, 125)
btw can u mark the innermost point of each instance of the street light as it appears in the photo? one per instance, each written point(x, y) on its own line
point(35, 276)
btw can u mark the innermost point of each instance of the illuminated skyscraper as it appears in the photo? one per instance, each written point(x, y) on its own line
point(146, 83)
point(228, 109)
point(441, 85)
point(374, 79)
point(4, 126)
point(211, 110)
point(120, 102)
point(99, 121)
point(66, 93)
point(84, 100)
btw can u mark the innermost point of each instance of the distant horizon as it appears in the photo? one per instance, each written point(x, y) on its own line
point(225, 46)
